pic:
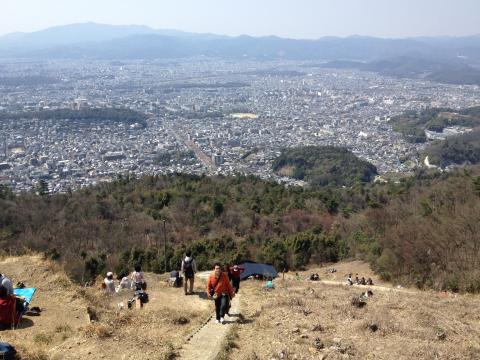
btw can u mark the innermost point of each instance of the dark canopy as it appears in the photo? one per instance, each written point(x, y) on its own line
point(253, 268)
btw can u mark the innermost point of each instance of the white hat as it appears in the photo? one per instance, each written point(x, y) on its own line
point(109, 273)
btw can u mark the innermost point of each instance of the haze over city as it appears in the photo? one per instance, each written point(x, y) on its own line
point(296, 19)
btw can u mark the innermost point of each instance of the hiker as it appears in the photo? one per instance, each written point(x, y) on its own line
point(357, 280)
point(109, 283)
point(220, 289)
point(349, 280)
point(362, 281)
point(188, 269)
point(369, 281)
point(138, 279)
point(7, 283)
point(235, 273)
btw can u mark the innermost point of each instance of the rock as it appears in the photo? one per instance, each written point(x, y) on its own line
point(358, 302)
point(441, 335)
point(318, 344)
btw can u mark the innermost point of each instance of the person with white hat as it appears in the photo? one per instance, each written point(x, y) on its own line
point(109, 283)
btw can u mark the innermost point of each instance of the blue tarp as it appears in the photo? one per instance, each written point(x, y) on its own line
point(26, 293)
point(253, 268)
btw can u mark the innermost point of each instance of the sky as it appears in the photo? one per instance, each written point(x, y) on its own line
point(285, 18)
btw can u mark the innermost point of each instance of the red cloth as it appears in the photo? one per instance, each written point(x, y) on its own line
point(8, 313)
point(236, 273)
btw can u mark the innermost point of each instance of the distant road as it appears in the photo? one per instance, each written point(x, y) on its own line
point(201, 156)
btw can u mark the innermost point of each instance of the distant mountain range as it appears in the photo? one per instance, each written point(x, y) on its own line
point(99, 41)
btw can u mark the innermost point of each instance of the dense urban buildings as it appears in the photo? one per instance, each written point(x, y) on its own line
point(203, 116)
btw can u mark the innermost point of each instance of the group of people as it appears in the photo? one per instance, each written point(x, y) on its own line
point(136, 281)
point(222, 284)
point(357, 281)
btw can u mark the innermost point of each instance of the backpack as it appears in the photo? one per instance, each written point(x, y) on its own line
point(188, 268)
point(143, 296)
point(8, 313)
point(7, 351)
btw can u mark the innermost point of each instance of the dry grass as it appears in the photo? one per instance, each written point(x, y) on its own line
point(229, 344)
point(64, 329)
point(306, 320)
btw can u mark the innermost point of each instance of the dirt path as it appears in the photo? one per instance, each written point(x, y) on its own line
point(206, 343)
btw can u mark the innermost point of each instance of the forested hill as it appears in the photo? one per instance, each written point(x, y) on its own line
point(86, 116)
point(220, 218)
point(428, 235)
point(423, 229)
point(456, 150)
point(413, 124)
point(324, 165)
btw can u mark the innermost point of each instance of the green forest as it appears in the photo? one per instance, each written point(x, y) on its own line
point(395, 226)
point(325, 165)
point(455, 150)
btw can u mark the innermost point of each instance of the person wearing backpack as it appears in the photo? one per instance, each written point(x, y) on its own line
point(188, 269)
point(220, 290)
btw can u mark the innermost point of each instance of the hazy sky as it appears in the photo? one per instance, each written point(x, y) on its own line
point(287, 18)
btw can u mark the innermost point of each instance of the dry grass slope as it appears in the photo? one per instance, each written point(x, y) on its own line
point(64, 329)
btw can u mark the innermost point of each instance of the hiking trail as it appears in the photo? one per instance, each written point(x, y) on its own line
point(206, 343)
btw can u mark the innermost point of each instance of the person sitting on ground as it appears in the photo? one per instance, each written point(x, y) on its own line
point(137, 278)
point(220, 289)
point(357, 280)
point(369, 281)
point(188, 269)
point(109, 283)
point(175, 279)
point(125, 283)
point(349, 280)
point(362, 281)
point(235, 273)
point(269, 284)
point(7, 283)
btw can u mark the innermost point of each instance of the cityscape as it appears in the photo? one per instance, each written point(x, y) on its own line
point(203, 116)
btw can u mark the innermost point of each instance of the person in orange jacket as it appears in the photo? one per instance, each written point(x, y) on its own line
point(220, 289)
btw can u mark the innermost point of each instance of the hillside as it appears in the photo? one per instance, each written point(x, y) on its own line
point(64, 330)
point(456, 150)
point(102, 41)
point(322, 166)
point(118, 224)
point(316, 320)
point(298, 319)
point(444, 70)
point(413, 124)
point(427, 235)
